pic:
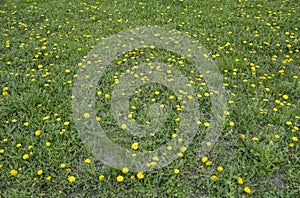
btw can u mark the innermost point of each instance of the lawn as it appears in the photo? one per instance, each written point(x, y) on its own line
point(46, 48)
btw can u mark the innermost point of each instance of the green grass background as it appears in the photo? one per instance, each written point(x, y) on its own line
point(255, 45)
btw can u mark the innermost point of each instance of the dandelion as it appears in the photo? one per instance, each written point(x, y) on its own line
point(71, 179)
point(204, 159)
point(124, 126)
point(288, 123)
point(13, 172)
point(88, 160)
point(120, 178)
point(206, 124)
point(48, 178)
point(231, 124)
point(285, 97)
point(2, 151)
point(135, 146)
point(62, 165)
point(214, 177)
point(125, 170)
point(295, 139)
point(48, 144)
point(25, 156)
point(176, 171)
point(247, 190)
point(140, 175)
point(38, 132)
point(240, 180)
point(66, 123)
point(220, 168)
point(86, 115)
point(101, 177)
point(255, 139)
point(40, 172)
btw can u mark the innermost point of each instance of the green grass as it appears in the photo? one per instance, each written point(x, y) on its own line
point(255, 45)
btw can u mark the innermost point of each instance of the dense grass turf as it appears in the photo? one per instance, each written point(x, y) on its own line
point(255, 45)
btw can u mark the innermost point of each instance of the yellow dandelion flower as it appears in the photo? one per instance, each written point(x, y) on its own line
point(247, 190)
point(40, 172)
point(86, 115)
point(140, 175)
point(220, 168)
point(135, 146)
point(214, 177)
point(88, 160)
point(124, 126)
point(25, 156)
point(13, 172)
point(125, 170)
point(71, 179)
point(120, 178)
point(204, 159)
point(176, 171)
point(288, 123)
point(206, 124)
point(240, 180)
point(101, 177)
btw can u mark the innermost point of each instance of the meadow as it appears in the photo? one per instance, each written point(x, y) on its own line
point(255, 45)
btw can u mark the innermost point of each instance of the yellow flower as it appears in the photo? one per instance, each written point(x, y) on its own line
point(63, 165)
point(45, 118)
point(214, 177)
point(176, 171)
point(231, 124)
point(48, 178)
point(26, 123)
point(240, 180)
point(120, 178)
point(135, 146)
point(18, 145)
point(140, 175)
point(295, 139)
point(38, 132)
point(66, 123)
point(86, 115)
point(25, 156)
point(13, 172)
point(124, 126)
point(101, 177)
point(88, 160)
point(40, 172)
point(107, 96)
point(285, 97)
point(288, 123)
point(247, 190)
point(125, 170)
point(206, 124)
point(48, 144)
point(204, 159)
point(220, 168)
point(2, 150)
point(71, 179)
point(208, 163)
point(255, 139)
